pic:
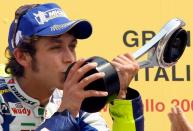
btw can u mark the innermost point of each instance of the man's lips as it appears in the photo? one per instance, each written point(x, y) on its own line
point(65, 73)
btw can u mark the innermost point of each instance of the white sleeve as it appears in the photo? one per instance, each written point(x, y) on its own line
point(95, 120)
point(1, 122)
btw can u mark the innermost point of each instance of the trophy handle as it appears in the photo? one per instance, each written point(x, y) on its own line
point(144, 49)
point(157, 45)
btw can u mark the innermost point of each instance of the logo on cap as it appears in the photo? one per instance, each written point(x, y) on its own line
point(43, 17)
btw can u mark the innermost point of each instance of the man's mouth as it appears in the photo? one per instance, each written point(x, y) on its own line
point(65, 72)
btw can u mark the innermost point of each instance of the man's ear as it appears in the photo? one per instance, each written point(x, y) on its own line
point(21, 57)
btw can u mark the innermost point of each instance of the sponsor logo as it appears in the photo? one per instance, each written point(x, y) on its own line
point(3, 85)
point(59, 27)
point(4, 109)
point(21, 111)
point(16, 92)
point(17, 40)
point(2, 81)
point(17, 109)
point(43, 17)
point(18, 105)
point(11, 81)
point(4, 91)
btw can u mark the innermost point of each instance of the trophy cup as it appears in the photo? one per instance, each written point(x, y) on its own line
point(164, 50)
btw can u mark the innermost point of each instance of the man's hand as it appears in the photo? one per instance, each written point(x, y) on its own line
point(178, 120)
point(127, 67)
point(73, 89)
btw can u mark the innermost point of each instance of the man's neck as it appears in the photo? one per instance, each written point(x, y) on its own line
point(35, 90)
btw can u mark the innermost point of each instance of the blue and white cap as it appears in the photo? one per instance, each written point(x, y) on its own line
point(47, 20)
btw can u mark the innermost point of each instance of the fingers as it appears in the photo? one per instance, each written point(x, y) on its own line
point(174, 122)
point(78, 71)
point(83, 70)
point(94, 93)
point(186, 126)
point(180, 115)
point(123, 61)
point(74, 68)
point(129, 56)
point(173, 127)
point(178, 124)
point(126, 67)
point(178, 120)
point(134, 62)
point(89, 79)
point(129, 68)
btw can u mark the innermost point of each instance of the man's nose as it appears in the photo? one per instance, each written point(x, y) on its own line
point(69, 57)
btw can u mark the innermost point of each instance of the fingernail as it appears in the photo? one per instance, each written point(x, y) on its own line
point(102, 74)
point(94, 63)
point(82, 59)
point(117, 69)
point(106, 93)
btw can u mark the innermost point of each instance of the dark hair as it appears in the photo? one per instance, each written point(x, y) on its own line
point(26, 45)
point(13, 67)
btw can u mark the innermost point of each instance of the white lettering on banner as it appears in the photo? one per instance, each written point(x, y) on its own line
point(43, 17)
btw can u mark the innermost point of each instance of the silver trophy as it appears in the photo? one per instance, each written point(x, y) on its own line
point(165, 49)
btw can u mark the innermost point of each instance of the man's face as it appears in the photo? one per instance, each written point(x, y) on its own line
point(53, 56)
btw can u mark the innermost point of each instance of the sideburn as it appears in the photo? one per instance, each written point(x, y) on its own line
point(34, 64)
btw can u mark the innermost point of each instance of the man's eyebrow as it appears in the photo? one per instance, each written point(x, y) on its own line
point(58, 39)
point(57, 36)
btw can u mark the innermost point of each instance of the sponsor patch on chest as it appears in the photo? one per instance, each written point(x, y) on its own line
point(17, 109)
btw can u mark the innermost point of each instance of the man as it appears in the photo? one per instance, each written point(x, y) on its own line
point(178, 120)
point(42, 43)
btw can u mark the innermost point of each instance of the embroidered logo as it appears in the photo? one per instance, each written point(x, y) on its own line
point(43, 17)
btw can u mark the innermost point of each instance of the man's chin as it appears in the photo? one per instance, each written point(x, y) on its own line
point(60, 87)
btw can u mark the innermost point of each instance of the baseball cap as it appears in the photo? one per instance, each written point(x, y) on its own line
point(46, 20)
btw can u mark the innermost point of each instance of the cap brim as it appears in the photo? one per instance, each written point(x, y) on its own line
point(81, 29)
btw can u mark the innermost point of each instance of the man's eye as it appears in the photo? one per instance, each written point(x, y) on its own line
point(55, 47)
point(72, 46)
